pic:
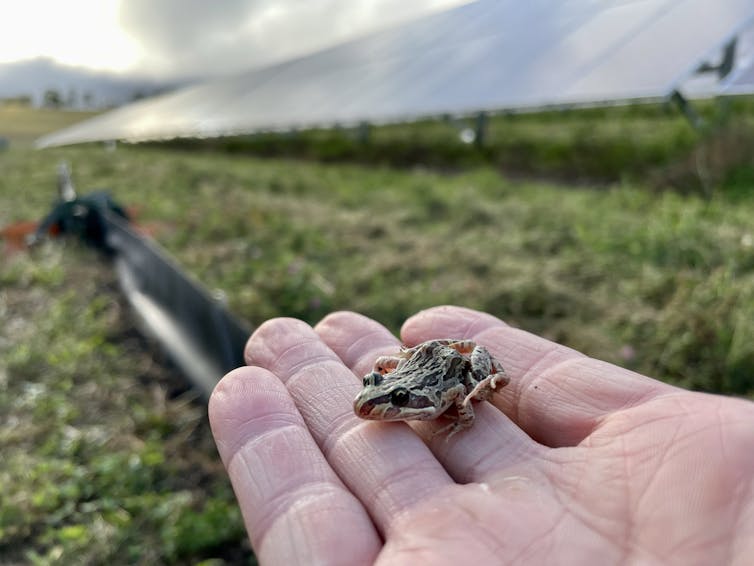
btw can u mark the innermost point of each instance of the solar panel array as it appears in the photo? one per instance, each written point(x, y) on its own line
point(489, 55)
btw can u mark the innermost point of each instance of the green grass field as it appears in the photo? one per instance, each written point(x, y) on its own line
point(106, 456)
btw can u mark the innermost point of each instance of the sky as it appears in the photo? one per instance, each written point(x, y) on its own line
point(173, 39)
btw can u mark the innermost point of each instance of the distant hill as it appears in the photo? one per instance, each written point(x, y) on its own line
point(78, 88)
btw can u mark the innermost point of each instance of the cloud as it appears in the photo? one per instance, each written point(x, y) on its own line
point(182, 38)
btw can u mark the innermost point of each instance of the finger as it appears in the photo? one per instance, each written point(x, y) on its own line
point(493, 442)
point(556, 395)
point(388, 468)
point(356, 339)
point(296, 509)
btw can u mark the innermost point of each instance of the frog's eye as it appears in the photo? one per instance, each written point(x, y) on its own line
point(399, 397)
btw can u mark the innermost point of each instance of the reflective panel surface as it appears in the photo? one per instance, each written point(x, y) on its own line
point(488, 55)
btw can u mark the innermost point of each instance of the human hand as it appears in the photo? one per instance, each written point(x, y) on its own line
point(576, 461)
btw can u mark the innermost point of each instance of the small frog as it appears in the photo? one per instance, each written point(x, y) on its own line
point(423, 382)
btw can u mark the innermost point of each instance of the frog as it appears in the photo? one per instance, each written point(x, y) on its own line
point(433, 379)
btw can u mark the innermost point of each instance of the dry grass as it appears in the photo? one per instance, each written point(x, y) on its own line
point(21, 125)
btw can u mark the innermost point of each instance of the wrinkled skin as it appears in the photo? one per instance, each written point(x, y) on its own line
point(576, 461)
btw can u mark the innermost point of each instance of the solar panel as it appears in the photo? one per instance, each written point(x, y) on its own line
point(489, 55)
point(744, 82)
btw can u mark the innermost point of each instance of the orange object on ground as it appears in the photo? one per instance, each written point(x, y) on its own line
point(15, 235)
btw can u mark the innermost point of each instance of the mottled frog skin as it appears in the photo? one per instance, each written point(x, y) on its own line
point(423, 382)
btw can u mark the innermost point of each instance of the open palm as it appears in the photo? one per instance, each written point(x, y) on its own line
point(576, 461)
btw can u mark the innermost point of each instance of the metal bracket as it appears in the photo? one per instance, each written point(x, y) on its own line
point(686, 108)
point(726, 64)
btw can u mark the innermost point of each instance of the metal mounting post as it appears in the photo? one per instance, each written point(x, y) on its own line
point(481, 129)
point(687, 110)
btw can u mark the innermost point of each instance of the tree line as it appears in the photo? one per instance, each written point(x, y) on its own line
point(55, 98)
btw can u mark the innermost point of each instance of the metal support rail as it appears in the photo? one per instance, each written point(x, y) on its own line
point(194, 328)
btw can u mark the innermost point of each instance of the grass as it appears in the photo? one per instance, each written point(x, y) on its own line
point(108, 459)
point(21, 125)
point(98, 467)
point(649, 145)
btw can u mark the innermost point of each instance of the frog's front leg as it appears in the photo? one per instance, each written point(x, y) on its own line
point(464, 418)
point(386, 364)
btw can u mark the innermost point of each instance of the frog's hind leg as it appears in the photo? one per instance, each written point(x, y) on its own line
point(463, 347)
point(484, 389)
point(487, 374)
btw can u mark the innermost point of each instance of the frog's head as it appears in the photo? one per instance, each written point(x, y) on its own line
point(387, 399)
point(416, 390)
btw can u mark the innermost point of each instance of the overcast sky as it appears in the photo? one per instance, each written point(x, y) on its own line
point(179, 38)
